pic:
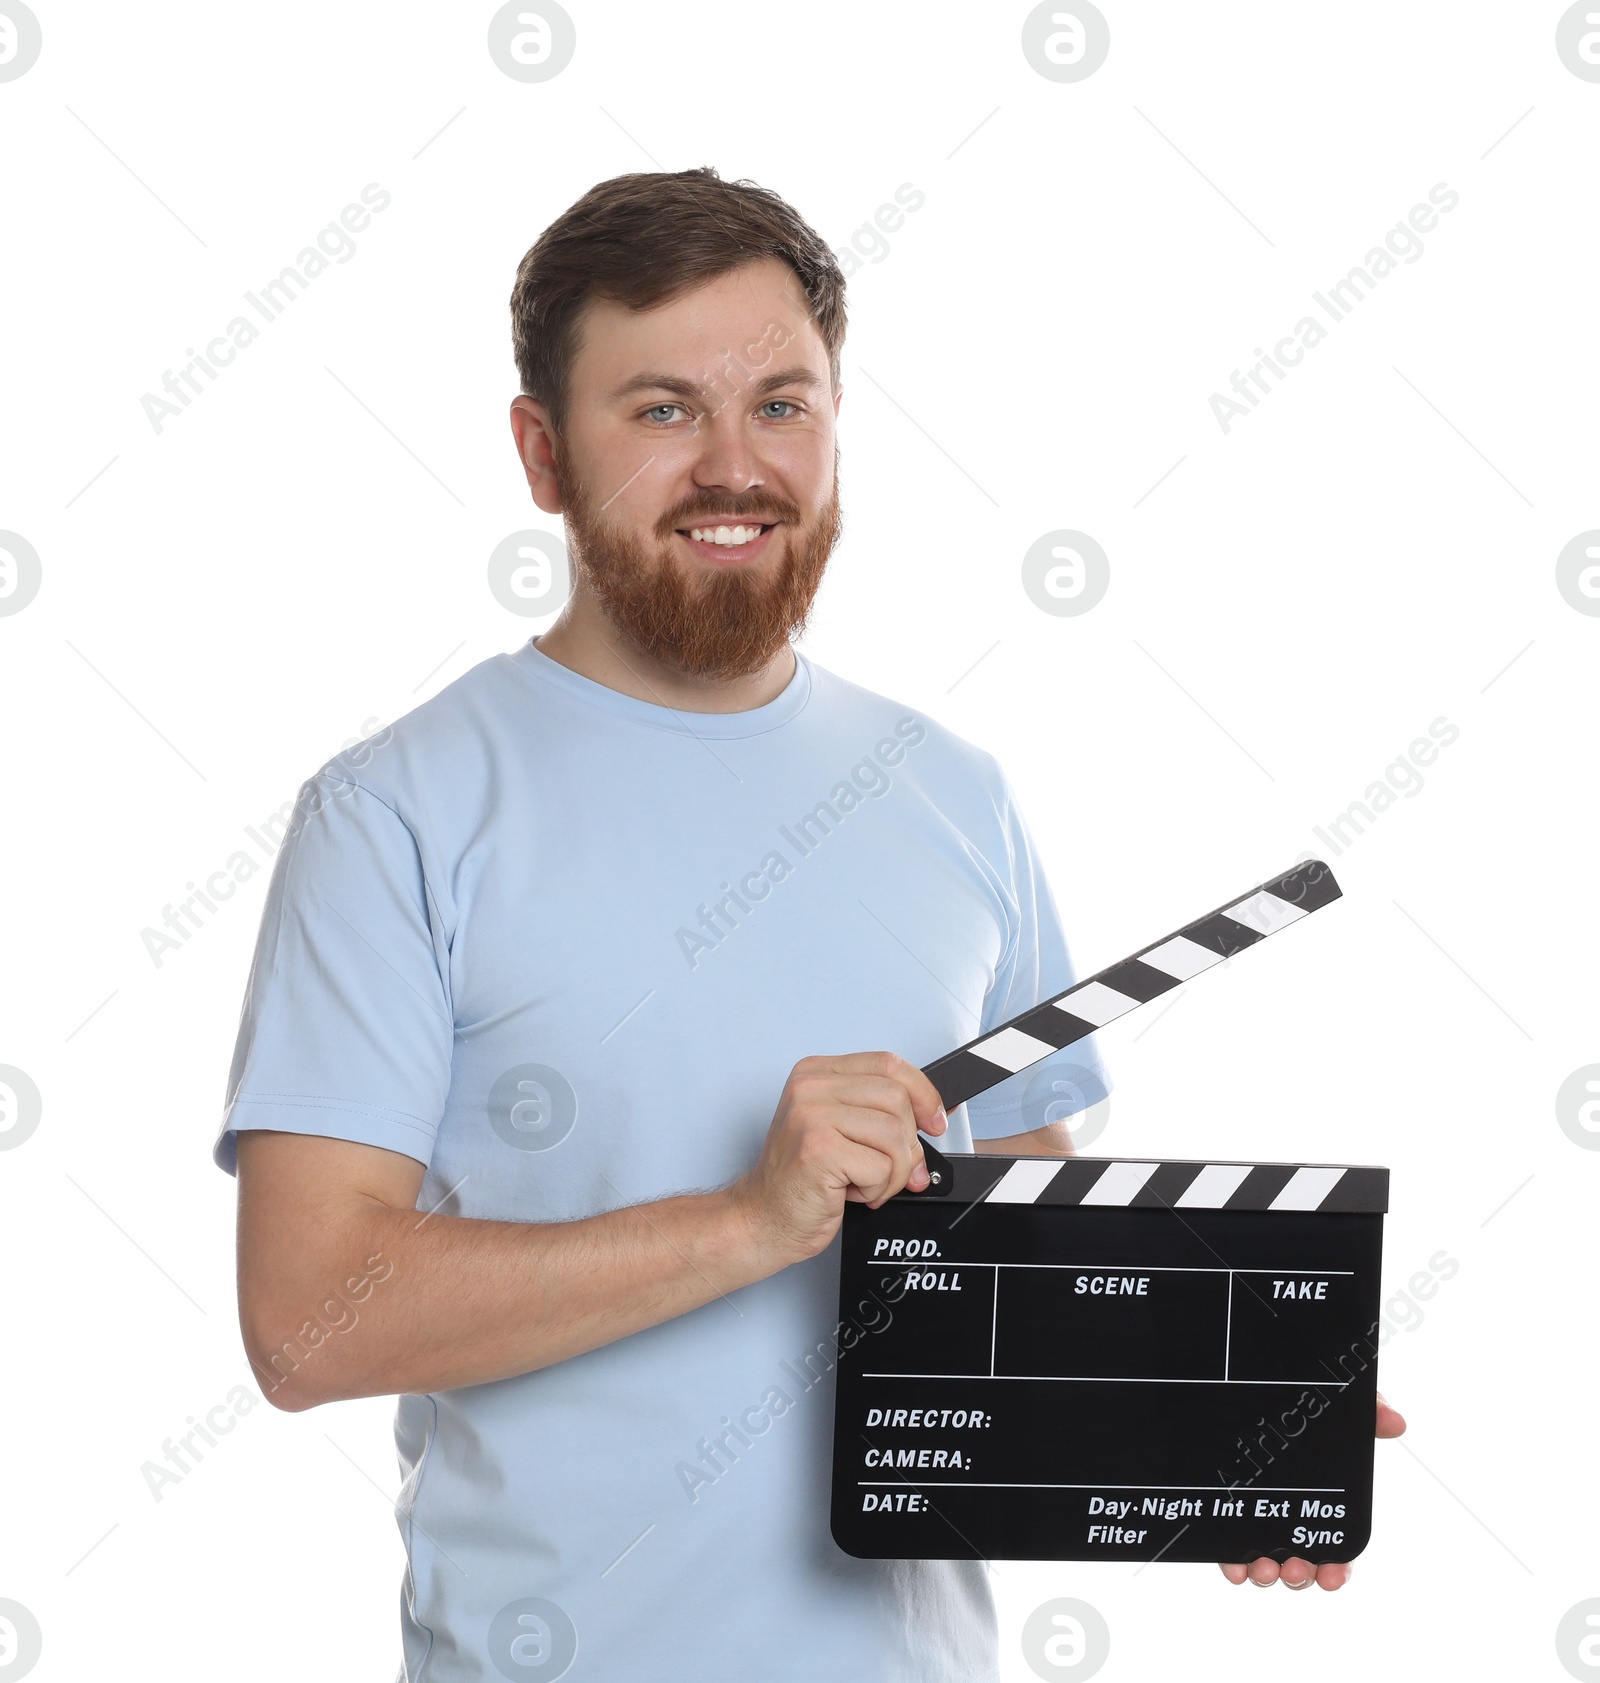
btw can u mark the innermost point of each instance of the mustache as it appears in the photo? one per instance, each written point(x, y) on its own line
point(729, 511)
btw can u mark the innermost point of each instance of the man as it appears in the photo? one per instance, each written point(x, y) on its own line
point(545, 1058)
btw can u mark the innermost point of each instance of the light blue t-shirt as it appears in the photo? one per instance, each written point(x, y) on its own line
point(563, 947)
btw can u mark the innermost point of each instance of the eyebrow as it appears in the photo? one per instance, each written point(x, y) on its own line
point(796, 376)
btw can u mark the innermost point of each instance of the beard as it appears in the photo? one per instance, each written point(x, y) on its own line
point(726, 624)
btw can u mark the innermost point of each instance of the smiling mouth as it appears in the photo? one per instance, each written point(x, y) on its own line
point(729, 543)
point(734, 534)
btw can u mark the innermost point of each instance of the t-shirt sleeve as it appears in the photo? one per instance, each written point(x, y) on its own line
point(1035, 966)
point(347, 1027)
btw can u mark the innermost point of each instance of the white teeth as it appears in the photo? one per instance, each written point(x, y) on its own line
point(725, 535)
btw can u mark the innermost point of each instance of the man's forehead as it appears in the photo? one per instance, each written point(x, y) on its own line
point(683, 345)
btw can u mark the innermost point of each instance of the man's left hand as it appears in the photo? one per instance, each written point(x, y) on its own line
point(1296, 1573)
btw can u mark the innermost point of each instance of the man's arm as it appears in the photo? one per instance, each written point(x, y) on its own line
point(330, 1236)
point(1054, 1139)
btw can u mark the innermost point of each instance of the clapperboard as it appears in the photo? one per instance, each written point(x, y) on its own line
point(1047, 1358)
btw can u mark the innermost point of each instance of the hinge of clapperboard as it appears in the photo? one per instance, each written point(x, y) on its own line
point(1079, 1010)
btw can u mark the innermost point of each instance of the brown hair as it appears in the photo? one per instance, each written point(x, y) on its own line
point(642, 239)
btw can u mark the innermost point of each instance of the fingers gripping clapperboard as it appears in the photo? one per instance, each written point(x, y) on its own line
point(1104, 1358)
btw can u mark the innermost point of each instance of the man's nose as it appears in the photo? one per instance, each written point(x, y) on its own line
point(727, 458)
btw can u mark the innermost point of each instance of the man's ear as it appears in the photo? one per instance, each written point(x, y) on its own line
point(532, 428)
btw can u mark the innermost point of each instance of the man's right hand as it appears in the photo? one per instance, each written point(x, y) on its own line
point(845, 1130)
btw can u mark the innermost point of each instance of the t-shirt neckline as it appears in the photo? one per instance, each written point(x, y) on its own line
point(752, 721)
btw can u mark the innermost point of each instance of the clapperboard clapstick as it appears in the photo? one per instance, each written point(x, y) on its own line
point(1154, 970)
point(1073, 1358)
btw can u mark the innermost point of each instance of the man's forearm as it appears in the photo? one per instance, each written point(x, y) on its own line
point(446, 1301)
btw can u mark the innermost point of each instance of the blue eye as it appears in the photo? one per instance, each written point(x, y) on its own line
point(656, 408)
point(780, 403)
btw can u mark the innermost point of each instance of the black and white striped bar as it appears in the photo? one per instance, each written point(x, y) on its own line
point(1140, 1183)
point(1154, 970)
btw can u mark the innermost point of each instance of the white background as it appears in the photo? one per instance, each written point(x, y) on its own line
point(1291, 603)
